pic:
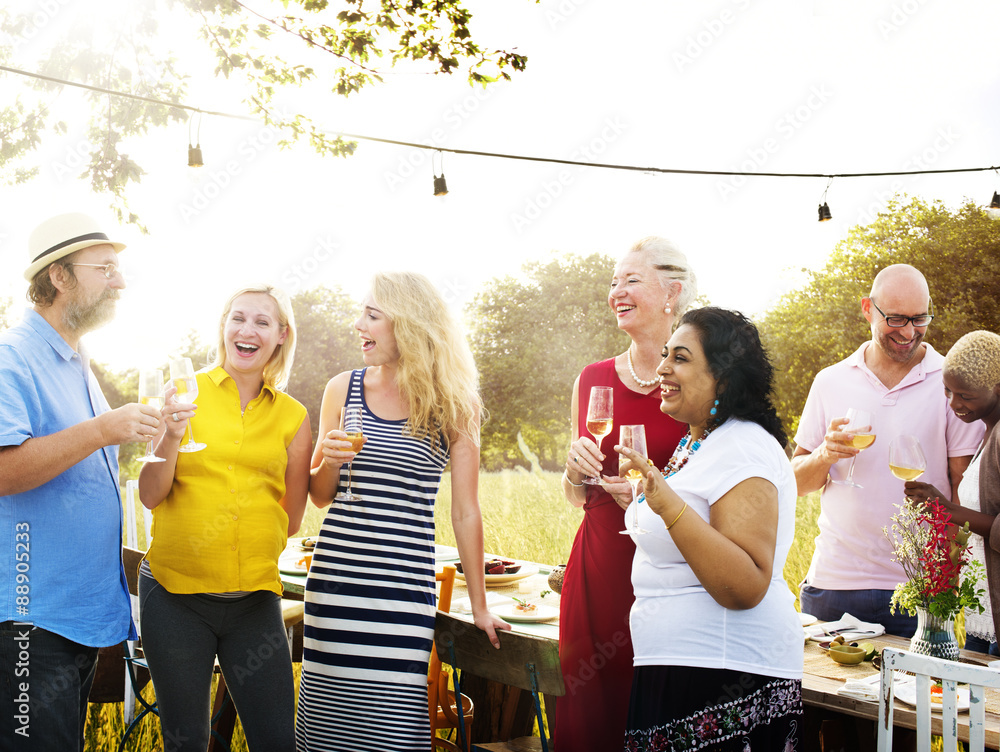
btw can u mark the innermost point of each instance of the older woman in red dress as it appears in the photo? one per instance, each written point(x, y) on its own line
point(652, 284)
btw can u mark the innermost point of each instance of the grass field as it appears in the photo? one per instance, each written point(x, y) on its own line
point(525, 516)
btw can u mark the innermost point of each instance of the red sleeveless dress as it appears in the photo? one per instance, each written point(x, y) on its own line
point(595, 647)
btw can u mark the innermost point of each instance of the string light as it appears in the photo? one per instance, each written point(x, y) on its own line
point(194, 152)
point(497, 155)
point(440, 185)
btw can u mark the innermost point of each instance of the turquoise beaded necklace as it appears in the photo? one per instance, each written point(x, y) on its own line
point(683, 453)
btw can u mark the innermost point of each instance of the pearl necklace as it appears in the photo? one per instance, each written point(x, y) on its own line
point(683, 452)
point(631, 370)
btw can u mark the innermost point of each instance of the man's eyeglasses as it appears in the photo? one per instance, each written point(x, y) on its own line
point(897, 322)
point(108, 270)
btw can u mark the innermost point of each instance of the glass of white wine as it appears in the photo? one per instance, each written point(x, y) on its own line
point(182, 377)
point(351, 424)
point(151, 393)
point(633, 437)
point(906, 458)
point(859, 425)
point(600, 418)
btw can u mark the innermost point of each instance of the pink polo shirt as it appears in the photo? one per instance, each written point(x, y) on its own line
point(852, 552)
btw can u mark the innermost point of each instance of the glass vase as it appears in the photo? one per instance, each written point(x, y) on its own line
point(934, 636)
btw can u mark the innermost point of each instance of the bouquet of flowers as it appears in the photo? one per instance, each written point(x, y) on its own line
point(934, 554)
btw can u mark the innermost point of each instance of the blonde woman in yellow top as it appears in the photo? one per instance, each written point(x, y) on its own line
point(209, 585)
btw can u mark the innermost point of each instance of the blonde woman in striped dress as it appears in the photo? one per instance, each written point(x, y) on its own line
point(369, 620)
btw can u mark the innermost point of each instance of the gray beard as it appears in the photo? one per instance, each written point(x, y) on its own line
point(85, 318)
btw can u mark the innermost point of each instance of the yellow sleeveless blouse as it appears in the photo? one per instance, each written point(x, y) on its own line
point(221, 529)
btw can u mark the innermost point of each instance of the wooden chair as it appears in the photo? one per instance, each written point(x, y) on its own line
point(951, 673)
point(525, 662)
point(441, 703)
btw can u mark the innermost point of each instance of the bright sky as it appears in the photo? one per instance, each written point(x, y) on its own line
point(825, 86)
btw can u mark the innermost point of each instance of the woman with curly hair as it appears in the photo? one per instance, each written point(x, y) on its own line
point(369, 620)
point(718, 645)
point(971, 377)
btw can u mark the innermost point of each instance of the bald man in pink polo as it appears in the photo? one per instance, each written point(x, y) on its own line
point(896, 377)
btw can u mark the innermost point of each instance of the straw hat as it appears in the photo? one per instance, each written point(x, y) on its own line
point(60, 236)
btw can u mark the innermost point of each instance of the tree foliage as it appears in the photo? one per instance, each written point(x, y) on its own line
point(342, 46)
point(327, 344)
point(531, 338)
point(957, 250)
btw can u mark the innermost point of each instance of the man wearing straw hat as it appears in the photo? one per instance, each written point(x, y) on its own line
point(63, 593)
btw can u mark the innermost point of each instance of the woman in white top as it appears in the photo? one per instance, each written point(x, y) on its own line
point(718, 645)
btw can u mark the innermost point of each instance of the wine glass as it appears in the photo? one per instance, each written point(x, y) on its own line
point(906, 458)
point(151, 393)
point(599, 418)
point(351, 424)
point(633, 437)
point(859, 424)
point(182, 377)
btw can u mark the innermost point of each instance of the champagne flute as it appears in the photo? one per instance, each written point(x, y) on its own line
point(599, 418)
point(351, 424)
point(906, 458)
point(182, 377)
point(633, 437)
point(151, 393)
point(859, 424)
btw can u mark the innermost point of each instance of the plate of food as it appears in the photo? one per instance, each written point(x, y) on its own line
point(500, 571)
point(906, 691)
point(303, 544)
point(295, 563)
point(526, 611)
point(445, 553)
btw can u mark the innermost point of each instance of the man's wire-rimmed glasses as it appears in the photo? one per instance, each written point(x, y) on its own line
point(898, 321)
point(107, 269)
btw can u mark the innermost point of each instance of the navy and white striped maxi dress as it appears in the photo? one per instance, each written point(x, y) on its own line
point(370, 599)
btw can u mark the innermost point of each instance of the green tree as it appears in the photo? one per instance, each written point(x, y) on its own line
point(957, 250)
point(531, 338)
point(339, 47)
point(327, 344)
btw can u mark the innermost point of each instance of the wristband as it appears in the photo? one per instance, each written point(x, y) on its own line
point(570, 480)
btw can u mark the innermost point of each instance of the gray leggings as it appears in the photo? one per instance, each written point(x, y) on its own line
point(182, 635)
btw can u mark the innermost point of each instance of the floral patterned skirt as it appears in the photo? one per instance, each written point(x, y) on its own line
point(684, 708)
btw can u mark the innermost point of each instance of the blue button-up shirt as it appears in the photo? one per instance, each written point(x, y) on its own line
point(60, 543)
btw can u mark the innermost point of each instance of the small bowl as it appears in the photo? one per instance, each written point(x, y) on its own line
point(846, 654)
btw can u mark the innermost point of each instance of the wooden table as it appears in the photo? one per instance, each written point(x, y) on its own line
point(493, 701)
point(822, 679)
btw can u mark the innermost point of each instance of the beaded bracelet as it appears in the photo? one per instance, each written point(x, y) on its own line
point(683, 509)
point(570, 480)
